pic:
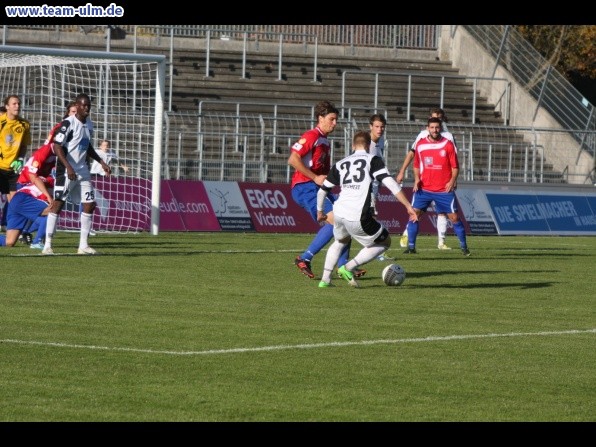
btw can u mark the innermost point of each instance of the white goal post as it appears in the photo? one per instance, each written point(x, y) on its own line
point(127, 94)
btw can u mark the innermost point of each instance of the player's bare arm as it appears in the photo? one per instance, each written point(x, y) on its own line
point(399, 178)
point(61, 155)
point(295, 161)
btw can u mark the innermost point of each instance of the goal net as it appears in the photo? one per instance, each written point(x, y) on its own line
point(126, 91)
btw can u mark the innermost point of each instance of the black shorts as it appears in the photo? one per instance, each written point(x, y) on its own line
point(8, 181)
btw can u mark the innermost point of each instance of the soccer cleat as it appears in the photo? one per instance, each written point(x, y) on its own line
point(443, 247)
point(304, 267)
point(86, 251)
point(47, 251)
point(383, 257)
point(92, 233)
point(347, 275)
point(358, 273)
point(37, 246)
point(324, 284)
point(465, 251)
point(410, 251)
point(403, 241)
point(26, 238)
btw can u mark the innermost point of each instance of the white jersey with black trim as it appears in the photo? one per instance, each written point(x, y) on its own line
point(354, 174)
point(75, 138)
point(378, 148)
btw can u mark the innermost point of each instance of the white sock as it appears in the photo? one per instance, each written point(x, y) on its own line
point(331, 258)
point(441, 227)
point(50, 229)
point(85, 228)
point(366, 254)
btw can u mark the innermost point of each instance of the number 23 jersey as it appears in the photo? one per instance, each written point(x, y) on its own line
point(355, 174)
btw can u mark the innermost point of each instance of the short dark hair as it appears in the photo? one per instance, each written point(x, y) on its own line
point(434, 120)
point(440, 112)
point(81, 96)
point(361, 138)
point(324, 108)
point(377, 117)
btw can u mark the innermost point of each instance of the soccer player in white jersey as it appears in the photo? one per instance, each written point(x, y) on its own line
point(377, 124)
point(441, 217)
point(72, 145)
point(353, 216)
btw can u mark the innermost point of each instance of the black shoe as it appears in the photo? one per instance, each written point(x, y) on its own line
point(26, 238)
point(465, 252)
point(410, 251)
point(304, 267)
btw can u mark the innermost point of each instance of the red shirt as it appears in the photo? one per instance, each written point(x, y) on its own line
point(435, 160)
point(315, 151)
point(34, 191)
point(42, 161)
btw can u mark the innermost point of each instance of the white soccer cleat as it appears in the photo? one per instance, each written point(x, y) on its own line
point(86, 251)
point(443, 247)
point(47, 251)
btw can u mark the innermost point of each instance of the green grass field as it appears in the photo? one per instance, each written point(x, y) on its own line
point(223, 327)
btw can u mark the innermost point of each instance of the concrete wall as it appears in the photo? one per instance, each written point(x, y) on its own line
point(560, 148)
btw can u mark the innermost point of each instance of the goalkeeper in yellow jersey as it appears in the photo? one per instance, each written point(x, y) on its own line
point(15, 136)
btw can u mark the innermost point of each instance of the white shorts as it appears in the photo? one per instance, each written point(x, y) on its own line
point(75, 191)
point(342, 229)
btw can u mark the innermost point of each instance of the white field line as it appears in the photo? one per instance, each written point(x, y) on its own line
point(302, 346)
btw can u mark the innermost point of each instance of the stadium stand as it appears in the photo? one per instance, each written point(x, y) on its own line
point(251, 102)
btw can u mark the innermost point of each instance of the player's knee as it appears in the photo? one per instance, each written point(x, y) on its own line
point(384, 238)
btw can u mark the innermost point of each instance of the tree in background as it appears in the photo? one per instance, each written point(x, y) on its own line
point(571, 49)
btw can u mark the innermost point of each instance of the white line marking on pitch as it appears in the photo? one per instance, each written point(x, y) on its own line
point(301, 346)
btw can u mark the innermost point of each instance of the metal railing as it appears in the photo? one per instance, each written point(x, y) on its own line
point(502, 106)
point(242, 147)
point(381, 36)
point(551, 90)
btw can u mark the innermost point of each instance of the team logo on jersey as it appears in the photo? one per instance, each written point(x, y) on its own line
point(297, 146)
point(9, 139)
point(60, 137)
point(35, 164)
point(19, 130)
point(443, 153)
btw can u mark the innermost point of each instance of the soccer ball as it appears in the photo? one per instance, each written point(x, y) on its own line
point(393, 275)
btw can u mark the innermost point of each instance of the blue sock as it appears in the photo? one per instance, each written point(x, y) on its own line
point(34, 226)
point(40, 224)
point(460, 232)
point(412, 234)
point(324, 235)
point(2, 240)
